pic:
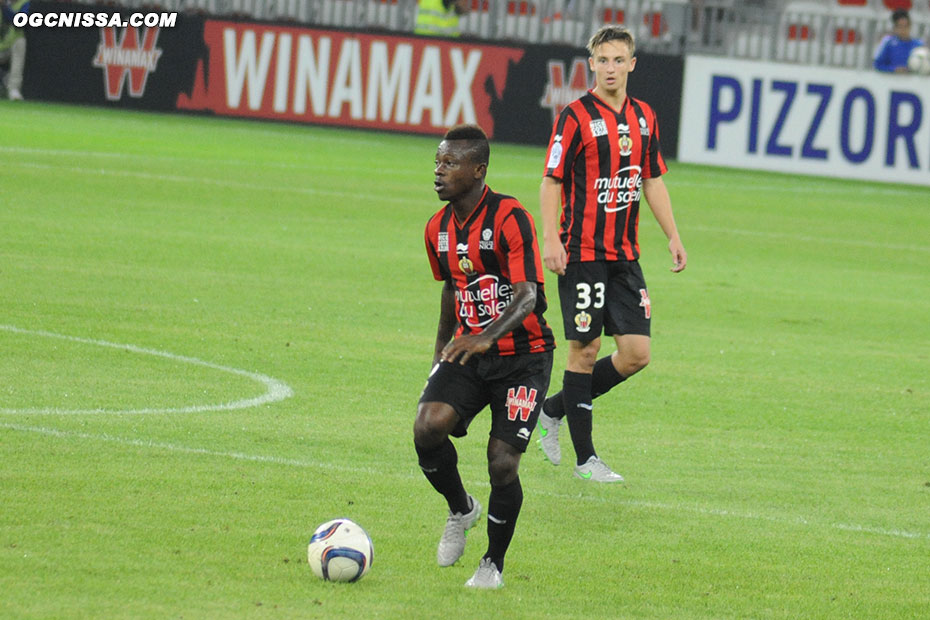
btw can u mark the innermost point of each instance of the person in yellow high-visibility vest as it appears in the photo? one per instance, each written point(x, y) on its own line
point(440, 18)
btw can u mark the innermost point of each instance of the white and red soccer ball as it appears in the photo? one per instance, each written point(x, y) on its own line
point(340, 550)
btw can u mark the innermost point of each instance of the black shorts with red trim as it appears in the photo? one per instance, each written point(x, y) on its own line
point(513, 385)
point(608, 296)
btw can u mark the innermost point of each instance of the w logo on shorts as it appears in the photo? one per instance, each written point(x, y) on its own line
point(645, 303)
point(520, 403)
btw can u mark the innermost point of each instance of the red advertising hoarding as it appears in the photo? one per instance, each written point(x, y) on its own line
point(347, 79)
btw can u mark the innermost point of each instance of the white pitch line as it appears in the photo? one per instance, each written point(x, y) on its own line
point(275, 390)
point(225, 183)
point(649, 505)
point(170, 447)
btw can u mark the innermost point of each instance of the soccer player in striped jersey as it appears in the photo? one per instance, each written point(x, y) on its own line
point(493, 346)
point(603, 156)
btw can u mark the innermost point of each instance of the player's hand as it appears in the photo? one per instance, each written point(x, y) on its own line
point(554, 256)
point(465, 346)
point(679, 256)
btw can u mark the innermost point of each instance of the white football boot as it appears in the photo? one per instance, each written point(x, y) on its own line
point(452, 544)
point(487, 576)
point(596, 470)
point(549, 437)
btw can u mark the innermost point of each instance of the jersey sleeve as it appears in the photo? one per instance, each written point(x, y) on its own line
point(559, 157)
point(524, 262)
point(429, 236)
point(883, 60)
point(655, 163)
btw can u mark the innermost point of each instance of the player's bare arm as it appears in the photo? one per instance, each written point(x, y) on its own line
point(550, 200)
point(523, 302)
point(660, 203)
point(447, 321)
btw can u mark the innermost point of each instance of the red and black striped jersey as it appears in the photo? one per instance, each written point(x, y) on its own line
point(601, 157)
point(483, 258)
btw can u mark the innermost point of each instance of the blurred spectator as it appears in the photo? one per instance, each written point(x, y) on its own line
point(894, 49)
point(13, 47)
point(440, 18)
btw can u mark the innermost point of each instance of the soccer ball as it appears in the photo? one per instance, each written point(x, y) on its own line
point(919, 61)
point(340, 550)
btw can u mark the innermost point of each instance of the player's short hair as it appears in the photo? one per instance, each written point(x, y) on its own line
point(611, 32)
point(479, 151)
point(900, 14)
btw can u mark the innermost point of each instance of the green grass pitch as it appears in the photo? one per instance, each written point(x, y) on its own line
point(213, 334)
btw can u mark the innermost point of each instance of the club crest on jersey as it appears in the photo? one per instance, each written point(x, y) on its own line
point(626, 146)
point(487, 241)
point(467, 267)
point(583, 322)
point(442, 242)
point(643, 129)
point(598, 127)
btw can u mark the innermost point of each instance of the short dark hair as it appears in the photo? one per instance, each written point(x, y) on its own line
point(479, 151)
point(611, 32)
point(900, 14)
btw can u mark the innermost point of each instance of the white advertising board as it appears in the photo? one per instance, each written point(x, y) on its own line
point(806, 120)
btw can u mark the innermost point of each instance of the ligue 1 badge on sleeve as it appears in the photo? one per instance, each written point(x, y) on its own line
point(583, 322)
point(555, 153)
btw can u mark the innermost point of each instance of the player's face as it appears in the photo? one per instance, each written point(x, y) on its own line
point(455, 174)
point(902, 29)
point(611, 64)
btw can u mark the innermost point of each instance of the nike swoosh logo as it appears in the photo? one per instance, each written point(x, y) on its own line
point(586, 406)
point(586, 475)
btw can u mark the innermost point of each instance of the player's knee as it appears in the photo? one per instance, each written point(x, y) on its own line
point(582, 357)
point(631, 356)
point(588, 356)
point(429, 428)
point(639, 360)
point(502, 468)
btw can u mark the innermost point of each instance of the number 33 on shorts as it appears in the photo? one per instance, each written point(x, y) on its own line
point(584, 295)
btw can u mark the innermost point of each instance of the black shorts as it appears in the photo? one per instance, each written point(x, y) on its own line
point(604, 295)
point(513, 385)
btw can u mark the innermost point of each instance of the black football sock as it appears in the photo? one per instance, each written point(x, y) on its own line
point(604, 378)
point(503, 510)
point(576, 394)
point(554, 406)
point(440, 466)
